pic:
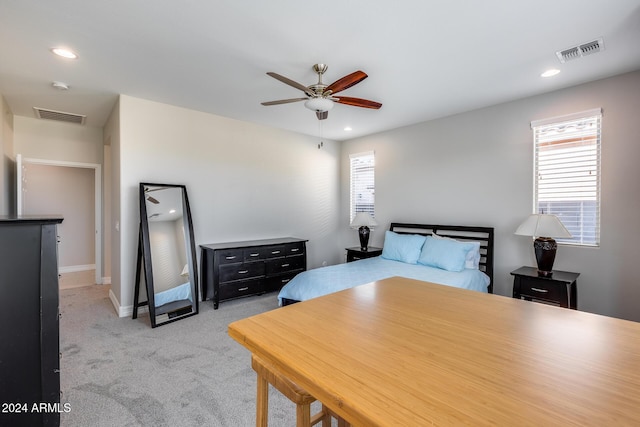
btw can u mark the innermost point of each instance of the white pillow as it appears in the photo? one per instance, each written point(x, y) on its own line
point(472, 260)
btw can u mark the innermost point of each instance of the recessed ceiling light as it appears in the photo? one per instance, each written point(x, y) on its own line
point(65, 53)
point(549, 73)
point(60, 85)
point(348, 129)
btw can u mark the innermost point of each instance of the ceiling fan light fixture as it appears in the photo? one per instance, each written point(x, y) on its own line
point(65, 53)
point(319, 104)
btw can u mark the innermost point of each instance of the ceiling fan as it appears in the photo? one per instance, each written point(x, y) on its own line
point(320, 97)
point(152, 199)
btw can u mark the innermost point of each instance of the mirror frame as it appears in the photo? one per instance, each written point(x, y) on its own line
point(145, 264)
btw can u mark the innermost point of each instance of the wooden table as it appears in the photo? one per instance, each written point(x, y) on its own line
point(409, 353)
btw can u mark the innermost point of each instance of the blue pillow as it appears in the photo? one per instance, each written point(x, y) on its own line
point(446, 254)
point(402, 247)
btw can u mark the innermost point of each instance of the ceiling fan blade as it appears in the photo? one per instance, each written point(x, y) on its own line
point(153, 200)
point(290, 82)
point(284, 101)
point(358, 102)
point(322, 115)
point(346, 82)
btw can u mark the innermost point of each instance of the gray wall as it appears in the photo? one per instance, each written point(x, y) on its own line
point(7, 169)
point(244, 182)
point(66, 191)
point(476, 169)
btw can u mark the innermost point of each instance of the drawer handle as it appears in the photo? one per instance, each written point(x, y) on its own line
point(285, 280)
point(230, 257)
point(254, 255)
point(285, 265)
point(275, 252)
point(295, 249)
point(544, 291)
point(243, 271)
point(243, 289)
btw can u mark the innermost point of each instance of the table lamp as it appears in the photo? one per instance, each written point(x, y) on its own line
point(185, 271)
point(362, 221)
point(544, 227)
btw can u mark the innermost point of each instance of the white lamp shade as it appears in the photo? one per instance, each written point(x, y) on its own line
point(319, 104)
point(363, 219)
point(185, 271)
point(542, 225)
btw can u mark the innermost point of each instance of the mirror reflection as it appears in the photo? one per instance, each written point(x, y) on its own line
point(166, 261)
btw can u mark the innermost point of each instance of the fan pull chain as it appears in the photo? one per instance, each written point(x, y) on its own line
point(321, 144)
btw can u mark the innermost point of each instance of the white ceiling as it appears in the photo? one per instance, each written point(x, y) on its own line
point(425, 59)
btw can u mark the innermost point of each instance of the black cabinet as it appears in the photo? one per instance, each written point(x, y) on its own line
point(237, 269)
point(356, 253)
point(559, 288)
point(29, 325)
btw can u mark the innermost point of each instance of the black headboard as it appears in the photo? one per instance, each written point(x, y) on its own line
point(484, 235)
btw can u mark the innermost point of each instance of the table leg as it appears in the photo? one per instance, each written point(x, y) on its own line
point(303, 415)
point(262, 402)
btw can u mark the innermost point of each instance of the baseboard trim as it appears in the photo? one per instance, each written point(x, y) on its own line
point(76, 268)
point(122, 311)
point(106, 280)
point(125, 311)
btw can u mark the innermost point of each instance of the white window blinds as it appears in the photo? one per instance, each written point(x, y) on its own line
point(362, 184)
point(567, 173)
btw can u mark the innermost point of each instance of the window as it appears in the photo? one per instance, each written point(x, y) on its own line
point(567, 173)
point(362, 184)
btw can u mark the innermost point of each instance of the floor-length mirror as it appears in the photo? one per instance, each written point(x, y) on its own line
point(166, 261)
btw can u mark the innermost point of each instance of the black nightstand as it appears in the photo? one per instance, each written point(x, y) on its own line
point(354, 254)
point(560, 288)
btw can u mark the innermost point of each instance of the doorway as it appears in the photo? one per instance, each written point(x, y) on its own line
point(72, 190)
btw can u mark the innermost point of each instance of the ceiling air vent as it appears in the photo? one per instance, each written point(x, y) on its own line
point(579, 51)
point(59, 116)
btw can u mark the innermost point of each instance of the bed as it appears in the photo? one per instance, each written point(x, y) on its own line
point(179, 293)
point(459, 256)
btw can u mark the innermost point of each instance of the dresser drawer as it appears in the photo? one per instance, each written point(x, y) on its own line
point(276, 283)
point(544, 290)
point(281, 265)
point(294, 248)
point(275, 251)
point(240, 289)
point(228, 256)
point(255, 254)
point(245, 270)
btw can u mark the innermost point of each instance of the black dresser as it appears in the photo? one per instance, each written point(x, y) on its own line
point(237, 269)
point(30, 350)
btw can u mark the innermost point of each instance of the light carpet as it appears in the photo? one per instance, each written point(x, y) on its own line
point(121, 372)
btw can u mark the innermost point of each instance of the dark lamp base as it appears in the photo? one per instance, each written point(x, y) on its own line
point(545, 250)
point(363, 233)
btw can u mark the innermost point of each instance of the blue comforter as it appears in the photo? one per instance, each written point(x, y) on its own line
point(178, 293)
point(326, 280)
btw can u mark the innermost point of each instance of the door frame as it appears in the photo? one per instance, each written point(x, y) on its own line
point(21, 161)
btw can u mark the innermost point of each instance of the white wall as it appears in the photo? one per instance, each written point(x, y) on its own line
point(476, 168)
point(7, 180)
point(51, 140)
point(244, 181)
point(106, 217)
